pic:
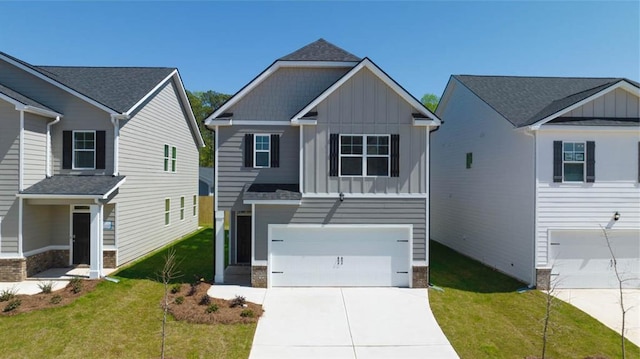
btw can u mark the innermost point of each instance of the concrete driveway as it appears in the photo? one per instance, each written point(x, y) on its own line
point(604, 305)
point(344, 323)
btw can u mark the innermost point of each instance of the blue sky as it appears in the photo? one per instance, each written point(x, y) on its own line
point(222, 45)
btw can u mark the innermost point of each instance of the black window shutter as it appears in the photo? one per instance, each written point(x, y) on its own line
point(557, 161)
point(248, 150)
point(333, 154)
point(275, 150)
point(67, 149)
point(591, 161)
point(100, 149)
point(395, 155)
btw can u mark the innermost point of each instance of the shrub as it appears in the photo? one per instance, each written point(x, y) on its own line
point(247, 313)
point(212, 308)
point(238, 301)
point(8, 294)
point(12, 305)
point(176, 288)
point(192, 290)
point(55, 299)
point(76, 284)
point(179, 300)
point(45, 287)
point(205, 300)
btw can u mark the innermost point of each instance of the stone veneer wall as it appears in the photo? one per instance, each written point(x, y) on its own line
point(46, 260)
point(259, 276)
point(420, 277)
point(108, 259)
point(13, 270)
point(543, 279)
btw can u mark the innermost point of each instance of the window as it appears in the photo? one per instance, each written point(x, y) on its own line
point(573, 161)
point(170, 158)
point(181, 208)
point(469, 159)
point(262, 151)
point(84, 150)
point(195, 205)
point(371, 159)
point(167, 211)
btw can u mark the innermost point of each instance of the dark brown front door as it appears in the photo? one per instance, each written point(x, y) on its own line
point(243, 239)
point(81, 235)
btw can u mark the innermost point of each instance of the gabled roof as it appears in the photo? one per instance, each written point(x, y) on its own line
point(24, 100)
point(74, 186)
point(525, 101)
point(320, 50)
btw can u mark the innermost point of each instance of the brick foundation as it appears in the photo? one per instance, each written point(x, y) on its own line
point(420, 276)
point(13, 270)
point(543, 278)
point(108, 259)
point(259, 276)
point(46, 260)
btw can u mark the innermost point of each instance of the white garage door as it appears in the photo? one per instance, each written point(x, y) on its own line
point(339, 256)
point(581, 259)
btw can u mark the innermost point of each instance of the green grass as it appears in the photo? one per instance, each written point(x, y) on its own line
point(122, 320)
point(483, 316)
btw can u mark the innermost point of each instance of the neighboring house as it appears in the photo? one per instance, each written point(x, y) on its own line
point(205, 181)
point(525, 170)
point(322, 165)
point(98, 165)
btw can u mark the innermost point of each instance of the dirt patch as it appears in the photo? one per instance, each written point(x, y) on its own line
point(58, 298)
point(194, 307)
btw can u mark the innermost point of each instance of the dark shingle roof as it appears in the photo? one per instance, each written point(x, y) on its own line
point(75, 185)
point(526, 100)
point(271, 191)
point(118, 88)
point(320, 50)
point(590, 121)
point(22, 98)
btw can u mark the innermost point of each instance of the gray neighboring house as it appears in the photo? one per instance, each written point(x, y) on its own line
point(526, 170)
point(205, 181)
point(98, 165)
point(322, 164)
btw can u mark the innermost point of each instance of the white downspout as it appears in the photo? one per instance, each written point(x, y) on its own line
point(48, 161)
point(116, 143)
point(301, 161)
point(20, 180)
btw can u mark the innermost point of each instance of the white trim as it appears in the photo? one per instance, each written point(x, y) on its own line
point(220, 122)
point(106, 195)
point(301, 160)
point(58, 247)
point(71, 209)
point(116, 144)
point(301, 122)
point(195, 201)
point(165, 211)
point(215, 173)
point(363, 195)
point(21, 153)
point(182, 203)
point(20, 106)
point(48, 146)
point(260, 262)
point(195, 130)
point(142, 100)
point(620, 84)
point(427, 164)
point(255, 150)
point(419, 122)
point(578, 128)
point(258, 123)
point(73, 150)
point(10, 256)
point(253, 234)
point(364, 154)
point(292, 202)
point(20, 225)
point(109, 248)
point(583, 162)
point(1, 217)
point(382, 76)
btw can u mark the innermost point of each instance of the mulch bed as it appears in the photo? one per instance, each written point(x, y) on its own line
point(58, 298)
point(193, 308)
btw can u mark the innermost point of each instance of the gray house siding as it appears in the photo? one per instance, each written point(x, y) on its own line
point(284, 93)
point(36, 231)
point(9, 148)
point(141, 200)
point(365, 105)
point(232, 175)
point(351, 211)
point(109, 235)
point(35, 149)
point(60, 220)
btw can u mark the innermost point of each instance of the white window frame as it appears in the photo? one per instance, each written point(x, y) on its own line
point(364, 155)
point(167, 212)
point(174, 159)
point(255, 150)
point(182, 208)
point(195, 205)
point(583, 162)
point(73, 150)
point(170, 163)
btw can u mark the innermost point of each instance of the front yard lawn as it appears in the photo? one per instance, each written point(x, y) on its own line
point(122, 320)
point(483, 315)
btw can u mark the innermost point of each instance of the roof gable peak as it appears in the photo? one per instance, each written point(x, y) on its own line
point(320, 50)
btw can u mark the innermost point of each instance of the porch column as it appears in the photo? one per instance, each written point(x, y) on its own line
point(219, 245)
point(96, 243)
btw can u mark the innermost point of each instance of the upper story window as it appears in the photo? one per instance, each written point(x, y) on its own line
point(262, 151)
point(366, 155)
point(574, 161)
point(170, 158)
point(84, 150)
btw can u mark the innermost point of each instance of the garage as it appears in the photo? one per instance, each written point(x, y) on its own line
point(581, 258)
point(339, 255)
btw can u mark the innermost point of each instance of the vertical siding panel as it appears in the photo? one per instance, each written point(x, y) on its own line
point(610, 104)
point(633, 106)
point(620, 98)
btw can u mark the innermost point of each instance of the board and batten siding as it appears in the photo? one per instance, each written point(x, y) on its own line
point(364, 104)
point(9, 158)
point(487, 211)
point(232, 175)
point(617, 103)
point(141, 200)
point(588, 205)
point(350, 211)
point(284, 93)
point(35, 149)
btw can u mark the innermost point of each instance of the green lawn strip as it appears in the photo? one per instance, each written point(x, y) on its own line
point(483, 316)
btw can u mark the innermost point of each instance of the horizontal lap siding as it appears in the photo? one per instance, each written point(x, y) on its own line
point(141, 199)
point(35, 149)
point(108, 235)
point(350, 211)
point(36, 231)
point(9, 156)
point(486, 211)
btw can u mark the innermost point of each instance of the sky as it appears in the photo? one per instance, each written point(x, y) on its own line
point(222, 45)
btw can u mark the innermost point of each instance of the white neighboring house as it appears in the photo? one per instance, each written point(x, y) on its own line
point(526, 170)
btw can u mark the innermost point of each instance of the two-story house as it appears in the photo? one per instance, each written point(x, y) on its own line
point(322, 164)
point(98, 165)
point(529, 173)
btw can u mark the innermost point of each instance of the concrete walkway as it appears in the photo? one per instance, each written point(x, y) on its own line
point(604, 305)
point(58, 277)
point(343, 323)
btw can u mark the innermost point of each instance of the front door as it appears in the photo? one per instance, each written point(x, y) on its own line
point(243, 239)
point(81, 237)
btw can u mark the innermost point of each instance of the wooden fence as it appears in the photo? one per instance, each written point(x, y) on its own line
point(205, 211)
